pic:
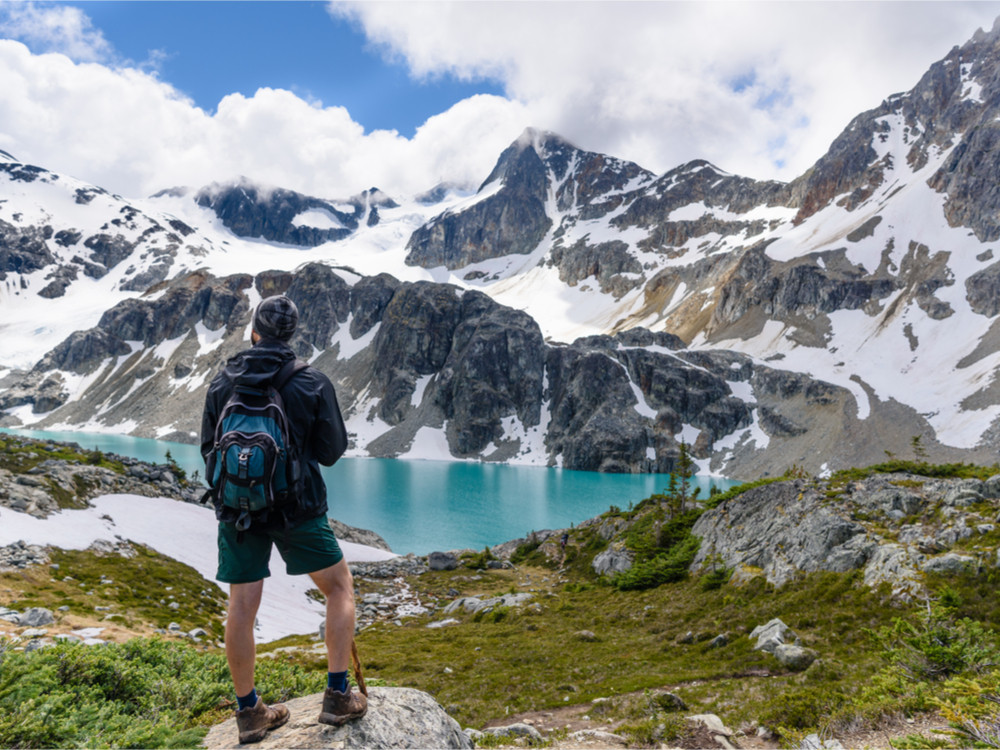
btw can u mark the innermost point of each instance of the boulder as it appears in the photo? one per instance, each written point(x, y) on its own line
point(795, 657)
point(396, 718)
point(473, 604)
point(36, 617)
point(951, 562)
point(442, 561)
point(669, 701)
point(517, 730)
point(813, 742)
point(709, 728)
point(775, 633)
point(596, 738)
point(612, 560)
point(711, 722)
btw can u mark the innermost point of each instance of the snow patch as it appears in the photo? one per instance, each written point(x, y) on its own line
point(285, 608)
point(972, 90)
point(429, 444)
point(348, 347)
point(319, 218)
point(689, 433)
point(208, 340)
point(418, 391)
point(641, 405)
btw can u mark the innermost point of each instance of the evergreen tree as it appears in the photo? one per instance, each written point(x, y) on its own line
point(672, 497)
point(684, 471)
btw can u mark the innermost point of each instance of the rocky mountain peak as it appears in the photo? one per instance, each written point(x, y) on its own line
point(948, 121)
point(441, 192)
point(538, 177)
point(375, 197)
point(249, 209)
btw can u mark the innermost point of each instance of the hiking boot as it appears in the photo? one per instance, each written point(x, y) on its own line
point(339, 708)
point(255, 722)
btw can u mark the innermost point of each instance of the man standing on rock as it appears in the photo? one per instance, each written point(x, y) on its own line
point(297, 525)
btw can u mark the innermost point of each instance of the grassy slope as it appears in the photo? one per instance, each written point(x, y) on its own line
point(536, 656)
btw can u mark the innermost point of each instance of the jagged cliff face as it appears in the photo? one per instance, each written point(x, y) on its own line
point(423, 362)
point(575, 310)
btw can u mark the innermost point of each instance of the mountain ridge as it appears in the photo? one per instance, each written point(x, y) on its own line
point(873, 274)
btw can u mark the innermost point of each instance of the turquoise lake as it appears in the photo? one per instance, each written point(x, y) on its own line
point(423, 506)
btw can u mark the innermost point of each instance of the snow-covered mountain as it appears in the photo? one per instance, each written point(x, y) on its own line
point(575, 310)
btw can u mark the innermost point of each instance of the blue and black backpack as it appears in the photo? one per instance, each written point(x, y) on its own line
point(255, 464)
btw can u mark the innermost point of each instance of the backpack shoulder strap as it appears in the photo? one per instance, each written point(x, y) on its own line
point(287, 372)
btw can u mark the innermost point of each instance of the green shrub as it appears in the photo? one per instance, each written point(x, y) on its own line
point(653, 533)
point(491, 615)
point(477, 561)
point(667, 567)
point(939, 645)
point(715, 579)
point(800, 708)
point(143, 693)
point(525, 550)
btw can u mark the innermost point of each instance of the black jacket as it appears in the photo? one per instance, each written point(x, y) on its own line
point(316, 425)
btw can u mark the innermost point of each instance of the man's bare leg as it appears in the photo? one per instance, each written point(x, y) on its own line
point(241, 652)
point(337, 586)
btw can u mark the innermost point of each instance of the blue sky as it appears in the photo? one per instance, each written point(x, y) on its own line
point(210, 49)
point(330, 98)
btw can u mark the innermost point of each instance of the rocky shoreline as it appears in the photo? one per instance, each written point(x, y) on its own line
point(38, 483)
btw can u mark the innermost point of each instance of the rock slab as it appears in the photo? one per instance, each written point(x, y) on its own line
point(396, 718)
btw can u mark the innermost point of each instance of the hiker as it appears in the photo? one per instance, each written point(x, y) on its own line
point(563, 540)
point(296, 524)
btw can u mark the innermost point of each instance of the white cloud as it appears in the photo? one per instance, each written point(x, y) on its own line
point(750, 86)
point(126, 130)
point(60, 28)
point(758, 88)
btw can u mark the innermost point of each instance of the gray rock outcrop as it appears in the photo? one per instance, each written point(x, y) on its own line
point(473, 604)
point(396, 718)
point(893, 527)
point(18, 555)
point(358, 536)
point(781, 530)
point(612, 560)
point(442, 561)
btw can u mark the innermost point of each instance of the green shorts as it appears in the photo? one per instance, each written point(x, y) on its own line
point(305, 548)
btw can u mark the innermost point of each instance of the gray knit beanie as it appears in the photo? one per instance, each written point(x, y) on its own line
point(276, 318)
